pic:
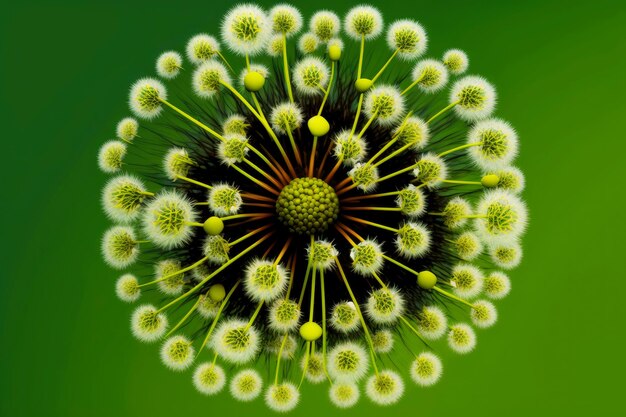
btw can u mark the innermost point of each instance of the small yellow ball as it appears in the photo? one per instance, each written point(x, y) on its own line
point(310, 331)
point(490, 180)
point(253, 81)
point(213, 226)
point(363, 84)
point(426, 280)
point(334, 52)
point(318, 126)
point(217, 292)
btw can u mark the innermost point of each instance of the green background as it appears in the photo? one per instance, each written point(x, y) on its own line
point(65, 348)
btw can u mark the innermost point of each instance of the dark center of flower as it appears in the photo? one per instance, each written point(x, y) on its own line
point(307, 206)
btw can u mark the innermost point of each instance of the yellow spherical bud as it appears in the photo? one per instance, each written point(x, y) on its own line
point(318, 126)
point(310, 331)
point(213, 225)
point(426, 280)
point(253, 81)
point(363, 84)
point(334, 52)
point(217, 292)
point(490, 180)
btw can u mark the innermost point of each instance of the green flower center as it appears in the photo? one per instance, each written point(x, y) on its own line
point(307, 206)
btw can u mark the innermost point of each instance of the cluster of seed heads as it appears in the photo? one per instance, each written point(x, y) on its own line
point(319, 214)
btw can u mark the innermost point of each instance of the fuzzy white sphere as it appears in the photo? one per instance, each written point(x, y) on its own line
point(246, 385)
point(467, 280)
point(408, 37)
point(413, 240)
point(484, 314)
point(177, 353)
point(497, 285)
point(432, 322)
point(202, 48)
point(461, 338)
point(176, 162)
point(506, 255)
point(412, 131)
point(475, 96)
point(431, 169)
point(224, 199)
point(127, 129)
point(344, 394)
point(236, 344)
point(119, 247)
point(175, 283)
point(309, 75)
point(344, 317)
point(426, 369)
point(166, 220)
point(146, 324)
point(168, 64)
point(347, 361)
point(363, 21)
point(385, 103)
point(233, 149)
point(325, 25)
point(122, 198)
point(456, 61)
point(349, 148)
point(498, 144)
point(285, 19)
point(385, 306)
point(246, 29)
point(145, 98)
point(283, 397)
point(367, 257)
point(432, 75)
point(208, 78)
point(111, 156)
point(284, 315)
point(286, 117)
point(308, 43)
point(384, 388)
point(209, 378)
point(505, 217)
point(127, 288)
point(264, 280)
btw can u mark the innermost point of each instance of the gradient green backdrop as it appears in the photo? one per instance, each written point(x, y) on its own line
point(65, 347)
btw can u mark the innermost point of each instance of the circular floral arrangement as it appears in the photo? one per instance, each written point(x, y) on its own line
point(315, 208)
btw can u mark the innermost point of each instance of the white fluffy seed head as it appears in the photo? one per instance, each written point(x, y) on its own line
point(344, 394)
point(475, 96)
point(467, 280)
point(284, 315)
point(264, 280)
point(413, 131)
point(209, 378)
point(174, 284)
point(384, 388)
point(344, 317)
point(208, 78)
point(413, 240)
point(233, 149)
point(207, 308)
point(144, 98)
point(411, 201)
point(455, 212)
point(119, 247)
point(347, 361)
point(111, 156)
point(122, 198)
point(497, 285)
point(146, 324)
point(499, 144)
point(363, 21)
point(166, 220)
point(314, 364)
point(456, 61)
point(168, 64)
point(505, 217)
point(309, 75)
point(308, 43)
point(385, 103)
point(510, 179)
point(216, 249)
point(484, 314)
point(506, 255)
point(407, 37)
point(246, 29)
point(426, 369)
point(432, 322)
point(468, 246)
point(127, 129)
point(202, 48)
point(235, 124)
point(349, 148)
point(282, 397)
point(325, 25)
point(432, 75)
point(365, 176)
point(431, 170)
point(286, 117)
point(383, 341)
point(224, 199)
point(246, 385)
point(177, 353)
point(275, 45)
point(322, 254)
point(461, 338)
point(367, 257)
point(127, 288)
point(234, 343)
point(177, 162)
point(385, 305)
point(285, 19)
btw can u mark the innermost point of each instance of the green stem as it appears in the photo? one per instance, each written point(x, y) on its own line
point(413, 84)
point(286, 68)
point(195, 306)
point(254, 316)
point(379, 73)
point(192, 119)
point(452, 296)
point(442, 111)
point(458, 148)
point(217, 316)
point(201, 184)
point(173, 274)
point(327, 92)
point(401, 265)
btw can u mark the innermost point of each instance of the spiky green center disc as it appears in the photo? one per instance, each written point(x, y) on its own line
point(307, 206)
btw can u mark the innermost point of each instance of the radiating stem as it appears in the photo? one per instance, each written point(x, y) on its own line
point(380, 72)
point(442, 111)
point(201, 184)
point(458, 148)
point(286, 68)
point(217, 316)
